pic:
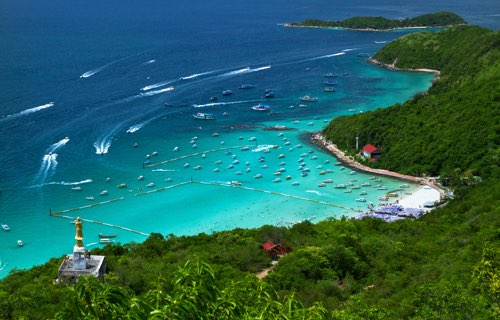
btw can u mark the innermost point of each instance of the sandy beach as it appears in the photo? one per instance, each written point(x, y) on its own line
point(428, 192)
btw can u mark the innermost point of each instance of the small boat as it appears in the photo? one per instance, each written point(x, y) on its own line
point(404, 186)
point(348, 191)
point(106, 240)
point(269, 94)
point(76, 188)
point(352, 173)
point(247, 86)
point(150, 185)
point(363, 193)
point(20, 243)
point(330, 83)
point(227, 92)
point(277, 180)
point(296, 183)
point(321, 185)
point(5, 227)
point(383, 198)
point(235, 183)
point(215, 134)
point(288, 177)
point(328, 181)
point(140, 178)
point(261, 107)
point(204, 116)
point(90, 198)
point(245, 148)
point(135, 144)
point(107, 236)
point(330, 75)
point(186, 165)
point(213, 98)
point(361, 200)
point(257, 176)
point(197, 168)
point(104, 192)
point(302, 105)
point(366, 184)
point(216, 170)
point(281, 156)
point(308, 98)
point(329, 89)
point(252, 139)
point(340, 186)
point(154, 153)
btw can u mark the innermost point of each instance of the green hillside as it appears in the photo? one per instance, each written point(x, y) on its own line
point(440, 19)
point(452, 130)
point(444, 265)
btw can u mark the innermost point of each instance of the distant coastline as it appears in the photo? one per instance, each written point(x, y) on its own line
point(290, 25)
point(432, 20)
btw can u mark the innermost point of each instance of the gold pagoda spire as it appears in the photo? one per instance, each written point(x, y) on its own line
point(79, 233)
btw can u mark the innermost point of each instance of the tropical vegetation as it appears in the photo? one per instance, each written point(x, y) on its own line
point(439, 19)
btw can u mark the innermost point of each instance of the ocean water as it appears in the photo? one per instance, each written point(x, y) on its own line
point(82, 82)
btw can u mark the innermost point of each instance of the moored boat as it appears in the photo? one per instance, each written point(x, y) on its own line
point(107, 236)
point(329, 89)
point(330, 75)
point(227, 92)
point(261, 107)
point(330, 82)
point(247, 86)
point(5, 227)
point(106, 240)
point(204, 116)
point(308, 98)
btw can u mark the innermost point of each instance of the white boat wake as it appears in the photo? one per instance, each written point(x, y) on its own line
point(29, 111)
point(157, 85)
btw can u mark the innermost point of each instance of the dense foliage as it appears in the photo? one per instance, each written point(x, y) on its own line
point(439, 19)
point(444, 265)
point(452, 130)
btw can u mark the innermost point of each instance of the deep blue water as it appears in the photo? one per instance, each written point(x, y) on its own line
point(80, 70)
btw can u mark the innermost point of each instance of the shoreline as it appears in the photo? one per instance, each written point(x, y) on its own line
point(321, 141)
point(393, 67)
point(289, 25)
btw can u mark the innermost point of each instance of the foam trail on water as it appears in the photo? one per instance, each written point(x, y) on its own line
point(92, 72)
point(30, 110)
point(222, 103)
point(154, 92)
point(49, 164)
point(163, 170)
point(381, 41)
point(157, 85)
point(196, 75)
point(57, 145)
point(347, 50)
point(71, 183)
point(139, 126)
point(102, 146)
point(326, 56)
point(245, 70)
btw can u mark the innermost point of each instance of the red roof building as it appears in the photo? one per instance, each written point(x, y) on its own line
point(371, 152)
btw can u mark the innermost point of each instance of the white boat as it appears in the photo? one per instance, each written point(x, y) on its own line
point(404, 186)
point(235, 183)
point(261, 107)
point(140, 178)
point(348, 191)
point(361, 200)
point(257, 176)
point(277, 180)
point(383, 198)
point(89, 198)
point(150, 185)
point(76, 188)
point(104, 192)
point(352, 173)
point(321, 185)
point(340, 186)
point(216, 170)
point(5, 227)
point(197, 168)
point(308, 98)
point(106, 240)
point(204, 116)
point(363, 193)
point(295, 183)
point(20, 243)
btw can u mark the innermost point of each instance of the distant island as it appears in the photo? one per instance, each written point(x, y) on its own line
point(439, 19)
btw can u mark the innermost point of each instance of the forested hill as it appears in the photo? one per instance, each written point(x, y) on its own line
point(451, 131)
point(439, 19)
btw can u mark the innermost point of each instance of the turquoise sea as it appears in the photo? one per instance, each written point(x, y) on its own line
point(85, 81)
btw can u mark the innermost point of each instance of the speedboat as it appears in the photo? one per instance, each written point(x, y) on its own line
point(122, 186)
point(247, 86)
point(76, 188)
point(204, 116)
point(340, 186)
point(261, 107)
point(89, 198)
point(214, 98)
point(269, 94)
point(227, 92)
point(104, 192)
point(5, 227)
point(361, 200)
point(308, 98)
point(106, 240)
point(329, 89)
